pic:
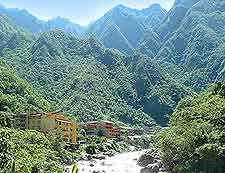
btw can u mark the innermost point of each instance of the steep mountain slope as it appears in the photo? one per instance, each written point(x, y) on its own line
point(23, 19)
point(64, 24)
point(121, 44)
point(195, 51)
point(30, 23)
point(174, 17)
point(92, 82)
point(17, 95)
point(82, 78)
point(157, 93)
point(149, 44)
point(130, 25)
point(121, 28)
point(12, 37)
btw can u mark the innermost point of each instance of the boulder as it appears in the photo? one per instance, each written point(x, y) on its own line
point(99, 157)
point(155, 168)
point(145, 160)
point(99, 171)
point(89, 157)
point(146, 170)
point(92, 165)
point(151, 169)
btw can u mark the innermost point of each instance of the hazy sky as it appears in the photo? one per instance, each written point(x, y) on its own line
point(78, 11)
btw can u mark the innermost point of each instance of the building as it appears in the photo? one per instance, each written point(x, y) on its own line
point(132, 131)
point(91, 128)
point(102, 128)
point(48, 122)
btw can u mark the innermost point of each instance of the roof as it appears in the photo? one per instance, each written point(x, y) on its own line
point(91, 122)
point(64, 121)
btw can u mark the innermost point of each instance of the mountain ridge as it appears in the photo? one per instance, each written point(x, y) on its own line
point(122, 20)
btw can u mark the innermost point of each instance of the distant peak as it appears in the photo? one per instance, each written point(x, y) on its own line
point(120, 6)
point(156, 6)
point(187, 3)
point(59, 18)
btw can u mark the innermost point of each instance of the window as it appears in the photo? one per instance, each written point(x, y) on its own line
point(60, 123)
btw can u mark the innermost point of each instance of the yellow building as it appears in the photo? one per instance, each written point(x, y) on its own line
point(48, 122)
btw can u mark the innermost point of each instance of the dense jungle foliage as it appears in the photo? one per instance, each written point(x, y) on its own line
point(194, 141)
point(91, 82)
point(17, 95)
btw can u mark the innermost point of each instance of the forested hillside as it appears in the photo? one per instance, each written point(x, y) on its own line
point(83, 78)
point(181, 48)
point(195, 50)
point(16, 95)
point(194, 141)
point(92, 82)
point(122, 27)
point(30, 23)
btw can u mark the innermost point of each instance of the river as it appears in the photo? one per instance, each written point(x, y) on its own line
point(120, 163)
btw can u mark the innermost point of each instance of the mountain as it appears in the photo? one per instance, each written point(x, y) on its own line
point(30, 23)
point(17, 95)
point(11, 36)
point(23, 19)
point(82, 77)
point(174, 18)
point(115, 29)
point(193, 52)
point(125, 26)
point(150, 44)
point(76, 76)
point(64, 24)
point(157, 93)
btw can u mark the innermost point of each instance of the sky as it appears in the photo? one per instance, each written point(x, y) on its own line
point(82, 12)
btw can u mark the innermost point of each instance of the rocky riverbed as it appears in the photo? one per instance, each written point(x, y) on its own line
point(131, 162)
point(120, 163)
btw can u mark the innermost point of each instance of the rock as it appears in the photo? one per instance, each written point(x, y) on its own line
point(145, 160)
point(155, 169)
point(99, 171)
point(110, 154)
point(99, 157)
point(89, 157)
point(163, 169)
point(146, 170)
point(159, 163)
point(150, 169)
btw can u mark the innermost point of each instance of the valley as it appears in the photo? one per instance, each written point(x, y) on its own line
point(158, 71)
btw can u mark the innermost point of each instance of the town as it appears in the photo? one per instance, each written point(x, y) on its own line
point(51, 121)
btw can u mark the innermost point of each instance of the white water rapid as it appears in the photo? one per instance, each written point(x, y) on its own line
point(120, 163)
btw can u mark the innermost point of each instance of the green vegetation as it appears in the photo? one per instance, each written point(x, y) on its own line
point(85, 79)
point(193, 50)
point(194, 142)
point(103, 145)
point(117, 27)
point(16, 95)
point(31, 151)
point(168, 53)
